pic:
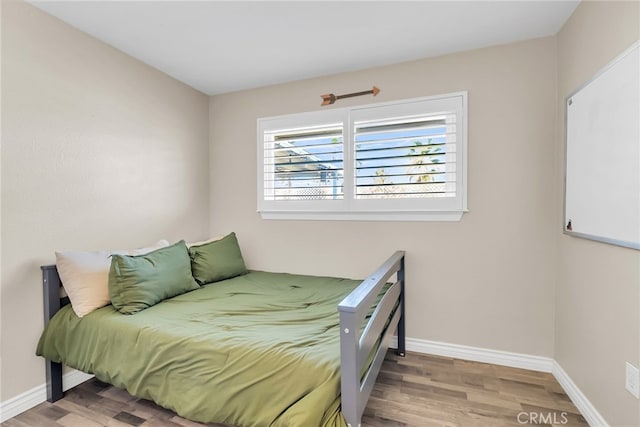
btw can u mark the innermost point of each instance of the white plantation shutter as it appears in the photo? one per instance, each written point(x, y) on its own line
point(409, 157)
point(402, 160)
point(304, 163)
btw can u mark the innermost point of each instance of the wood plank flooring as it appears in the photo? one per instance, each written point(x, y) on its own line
point(417, 390)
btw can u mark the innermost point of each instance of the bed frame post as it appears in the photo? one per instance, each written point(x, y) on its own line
point(401, 331)
point(350, 377)
point(51, 287)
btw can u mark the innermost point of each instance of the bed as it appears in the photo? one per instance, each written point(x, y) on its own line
point(264, 348)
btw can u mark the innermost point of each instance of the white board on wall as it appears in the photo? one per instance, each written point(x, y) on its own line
point(602, 170)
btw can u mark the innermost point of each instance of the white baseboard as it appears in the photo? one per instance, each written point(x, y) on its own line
point(477, 354)
point(588, 411)
point(37, 395)
point(30, 398)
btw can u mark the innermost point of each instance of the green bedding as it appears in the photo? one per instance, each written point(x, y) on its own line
point(261, 349)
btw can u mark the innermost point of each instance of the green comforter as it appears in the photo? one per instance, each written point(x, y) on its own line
point(261, 349)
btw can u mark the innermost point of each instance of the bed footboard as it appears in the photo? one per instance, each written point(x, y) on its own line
point(359, 369)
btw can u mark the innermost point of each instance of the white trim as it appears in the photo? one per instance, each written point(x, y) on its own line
point(477, 354)
point(586, 408)
point(30, 398)
point(74, 378)
point(364, 216)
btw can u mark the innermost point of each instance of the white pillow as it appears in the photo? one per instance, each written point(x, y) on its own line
point(85, 276)
point(202, 242)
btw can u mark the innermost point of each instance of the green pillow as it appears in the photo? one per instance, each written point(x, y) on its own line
point(138, 282)
point(217, 260)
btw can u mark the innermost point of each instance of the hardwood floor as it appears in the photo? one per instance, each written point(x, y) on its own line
point(417, 390)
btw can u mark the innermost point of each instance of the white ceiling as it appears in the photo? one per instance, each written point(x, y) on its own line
point(219, 47)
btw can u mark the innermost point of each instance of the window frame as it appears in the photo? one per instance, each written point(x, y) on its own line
point(350, 208)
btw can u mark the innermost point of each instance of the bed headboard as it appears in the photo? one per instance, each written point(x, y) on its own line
point(51, 285)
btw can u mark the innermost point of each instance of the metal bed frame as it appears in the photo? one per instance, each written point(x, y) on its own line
point(358, 340)
point(356, 346)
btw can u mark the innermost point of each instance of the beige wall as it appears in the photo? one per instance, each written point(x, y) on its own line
point(598, 291)
point(487, 281)
point(98, 151)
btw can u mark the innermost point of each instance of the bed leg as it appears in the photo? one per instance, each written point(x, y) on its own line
point(401, 331)
point(54, 381)
point(401, 337)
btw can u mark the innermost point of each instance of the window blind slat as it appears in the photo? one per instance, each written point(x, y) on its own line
point(404, 162)
point(382, 127)
point(289, 154)
point(382, 146)
point(327, 163)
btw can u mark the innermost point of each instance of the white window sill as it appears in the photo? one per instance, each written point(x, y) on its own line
point(442, 216)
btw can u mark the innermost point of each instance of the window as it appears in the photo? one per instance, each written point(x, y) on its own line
point(304, 164)
point(394, 161)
